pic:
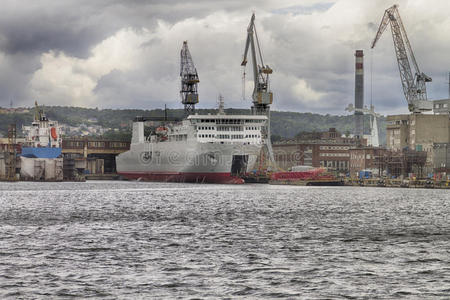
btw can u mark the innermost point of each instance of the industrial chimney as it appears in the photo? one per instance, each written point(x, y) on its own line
point(359, 93)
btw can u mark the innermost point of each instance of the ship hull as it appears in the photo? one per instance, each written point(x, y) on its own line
point(189, 161)
point(41, 169)
point(222, 178)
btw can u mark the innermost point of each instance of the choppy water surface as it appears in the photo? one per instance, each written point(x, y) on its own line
point(135, 240)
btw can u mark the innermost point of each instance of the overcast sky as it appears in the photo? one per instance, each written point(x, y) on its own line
point(126, 53)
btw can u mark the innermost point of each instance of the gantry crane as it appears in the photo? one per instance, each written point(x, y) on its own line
point(262, 96)
point(413, 85)
point(189, 81)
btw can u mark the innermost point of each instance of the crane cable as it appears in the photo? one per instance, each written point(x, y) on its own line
point(243, 83)
point(371, 76)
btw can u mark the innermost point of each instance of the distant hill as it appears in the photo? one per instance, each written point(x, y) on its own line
point(284, 124)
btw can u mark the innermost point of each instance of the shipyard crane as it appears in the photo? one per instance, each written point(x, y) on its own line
point(413, 85)
point(262, 96)
point(189, 80)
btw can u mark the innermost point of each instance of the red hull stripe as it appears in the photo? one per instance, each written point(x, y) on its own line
point(184, 177)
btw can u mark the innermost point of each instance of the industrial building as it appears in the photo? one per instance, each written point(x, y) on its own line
point(441, 106)
point(420, 132)
point(80, 156)
point(330, 150)
point(365, 158)
point(441, 158)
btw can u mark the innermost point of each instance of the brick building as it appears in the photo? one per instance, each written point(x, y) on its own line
point(330, 150)
point(365, 158)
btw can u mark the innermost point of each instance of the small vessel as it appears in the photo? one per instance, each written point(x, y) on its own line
point(41, 153)
point(305, 175)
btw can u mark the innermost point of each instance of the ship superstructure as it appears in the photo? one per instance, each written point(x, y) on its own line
point(43, 137)
point(41, 152)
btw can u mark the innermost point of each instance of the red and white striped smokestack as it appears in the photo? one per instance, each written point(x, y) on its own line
point(359, 92)
point(359, 62)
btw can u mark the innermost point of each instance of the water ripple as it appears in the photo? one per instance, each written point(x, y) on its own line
point(137, 240)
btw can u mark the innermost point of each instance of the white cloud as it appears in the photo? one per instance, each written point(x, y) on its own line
point(67, 80)
point(304, 91)
point(309, 47)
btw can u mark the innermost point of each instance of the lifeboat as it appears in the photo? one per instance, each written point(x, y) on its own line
point(161, 130)
point(53, 133)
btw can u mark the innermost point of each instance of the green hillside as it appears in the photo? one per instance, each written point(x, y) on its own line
point(284, 124)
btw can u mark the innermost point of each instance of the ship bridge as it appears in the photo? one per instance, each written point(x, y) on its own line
point(247, 129)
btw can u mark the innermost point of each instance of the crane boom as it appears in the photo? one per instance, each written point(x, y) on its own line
point(189, 80)
point(262, 96)
point(414, 87)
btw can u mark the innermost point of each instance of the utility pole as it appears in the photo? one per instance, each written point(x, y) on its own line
point(11, 161)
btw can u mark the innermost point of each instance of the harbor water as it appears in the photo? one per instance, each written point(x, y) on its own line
point(138, 240)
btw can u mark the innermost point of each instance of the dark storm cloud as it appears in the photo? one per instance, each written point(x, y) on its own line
point(118, 53)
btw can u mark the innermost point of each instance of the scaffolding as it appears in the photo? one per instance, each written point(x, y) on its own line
point(401, 163)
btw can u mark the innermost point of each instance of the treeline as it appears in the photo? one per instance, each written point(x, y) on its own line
point(283, 124)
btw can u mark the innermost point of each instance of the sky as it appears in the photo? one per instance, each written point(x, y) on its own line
point(126, 53)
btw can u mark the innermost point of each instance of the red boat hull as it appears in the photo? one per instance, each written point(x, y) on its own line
point(315, 174)
point(183, 177)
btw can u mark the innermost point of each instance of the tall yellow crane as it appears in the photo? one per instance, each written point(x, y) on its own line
point(262, 96)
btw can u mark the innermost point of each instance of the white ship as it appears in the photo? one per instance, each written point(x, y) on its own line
point(202, 148)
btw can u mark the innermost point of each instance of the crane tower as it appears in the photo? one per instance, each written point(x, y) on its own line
point(413, 85)
point(189, 81)
point(262, 96)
